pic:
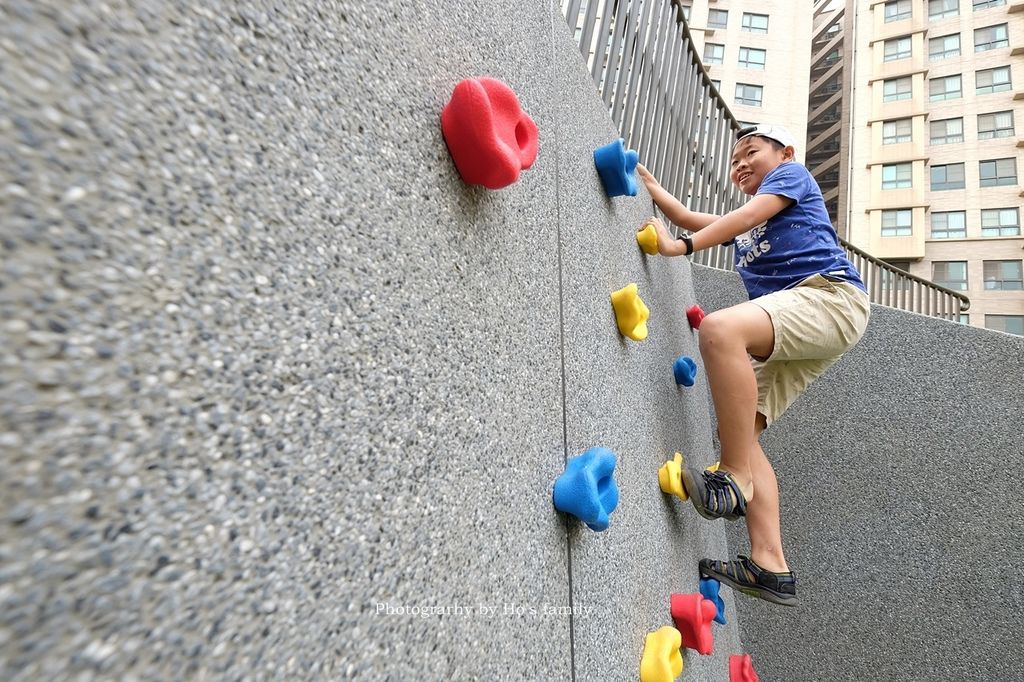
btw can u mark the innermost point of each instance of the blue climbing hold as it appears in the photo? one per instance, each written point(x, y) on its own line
point(586, 489)
point(617, 165)
point(685, 370)
point(709, 588)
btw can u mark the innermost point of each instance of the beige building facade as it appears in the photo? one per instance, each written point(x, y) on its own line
point(758, 55)
point(936, 113)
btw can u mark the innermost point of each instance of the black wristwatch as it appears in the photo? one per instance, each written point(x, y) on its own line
point(689, 244)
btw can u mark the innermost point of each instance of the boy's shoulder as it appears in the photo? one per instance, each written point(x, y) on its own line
point(786, 177)
point(792, 168)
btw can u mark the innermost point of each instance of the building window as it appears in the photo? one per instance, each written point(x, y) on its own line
point(945, 87)
point(944, 47)
point(937, 9)
point(965, 319)
point(992, 80)
point(890, 280)
point(897, 48)
point(949, 176)
point(1000, 222)
point(897, 222)
point(718, 18)
point(998, 124)
point(898, 10)
point(755, 23)
point(950, 274)
point(717, 84)
point(947, 131)
point(949, 225)
point(998, 172)
point(985, 4)
point(899, 130)
point(1011, 324)
point(897, 175)
point(749, 94)
point(752, 58)
point(991, 37)
point(895, 89)
point(714, 53)
point(1003, 275)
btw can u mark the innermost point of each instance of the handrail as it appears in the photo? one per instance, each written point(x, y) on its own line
point(888, 285)
point(641, 56)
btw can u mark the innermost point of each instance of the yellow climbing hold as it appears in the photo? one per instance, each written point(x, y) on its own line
point(647, 238)
point(630, 312)
point(661, 661)
point(670, 478)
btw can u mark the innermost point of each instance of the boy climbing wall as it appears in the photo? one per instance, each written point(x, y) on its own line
point(808, 305)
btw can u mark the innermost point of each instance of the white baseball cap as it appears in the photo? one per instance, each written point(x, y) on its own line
point(776, 133)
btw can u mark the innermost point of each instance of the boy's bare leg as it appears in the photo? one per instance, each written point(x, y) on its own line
point(763, 524)
point(727, 338)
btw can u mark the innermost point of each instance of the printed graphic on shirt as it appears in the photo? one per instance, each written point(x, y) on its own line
point(797, 242)
point(753, 245)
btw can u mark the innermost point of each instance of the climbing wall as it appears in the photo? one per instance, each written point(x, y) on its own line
point(282, 397)
point(622, 394)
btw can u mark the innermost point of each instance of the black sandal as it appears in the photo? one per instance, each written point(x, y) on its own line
point(715, 494)
point(746, 576)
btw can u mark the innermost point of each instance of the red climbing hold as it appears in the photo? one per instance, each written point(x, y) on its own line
point(489, 136)
point(693, 614)
point(741, 669)
point(694, 315)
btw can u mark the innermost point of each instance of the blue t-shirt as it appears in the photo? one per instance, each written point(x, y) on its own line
point(795, 243)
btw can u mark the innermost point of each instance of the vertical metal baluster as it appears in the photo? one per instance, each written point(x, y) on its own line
point(639, 68)
point(588, 32)
point(662, 124)
point(629, 47)
point(670, 133)
point(680, 156)
point(703, 144)
point(640, 97)
point(602, 57)
point(617, 54)
point(572, 17)
point(651, 100)
point(686, 161)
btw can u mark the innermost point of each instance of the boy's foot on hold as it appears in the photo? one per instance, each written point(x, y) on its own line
point(746, 576)
point(715, 494)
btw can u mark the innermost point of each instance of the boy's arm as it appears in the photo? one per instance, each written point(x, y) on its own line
point(760, 208)
point(673, 209)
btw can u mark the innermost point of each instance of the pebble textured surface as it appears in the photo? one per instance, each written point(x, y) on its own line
point(622, 394)
point(274, 383)
point(900, 484)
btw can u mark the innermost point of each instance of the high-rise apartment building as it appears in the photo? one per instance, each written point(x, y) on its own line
point(758, 55)
point(934, 181)
point(912, 116)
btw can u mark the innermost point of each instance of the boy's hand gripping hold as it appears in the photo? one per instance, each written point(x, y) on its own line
point(667, 244)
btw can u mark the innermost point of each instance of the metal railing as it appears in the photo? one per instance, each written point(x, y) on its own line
point(899, 289)
point(643, 61)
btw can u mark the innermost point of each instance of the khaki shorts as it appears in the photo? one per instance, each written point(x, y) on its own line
point(815, 322)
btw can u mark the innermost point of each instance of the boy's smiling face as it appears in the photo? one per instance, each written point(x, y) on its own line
point(752, 158)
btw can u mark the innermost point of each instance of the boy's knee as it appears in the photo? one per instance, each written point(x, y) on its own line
point(716, 331)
